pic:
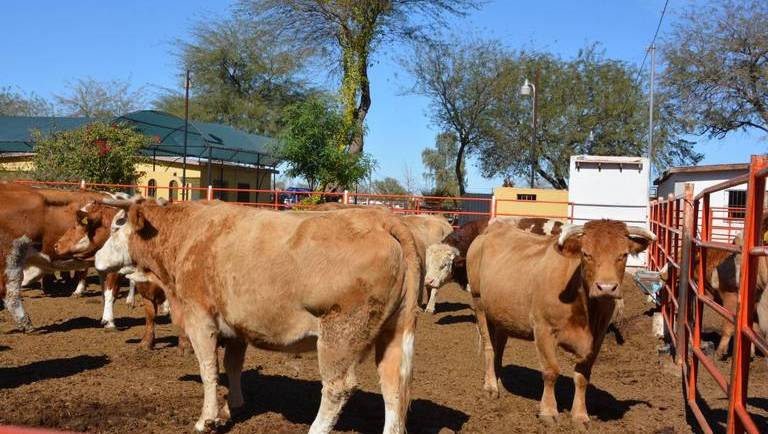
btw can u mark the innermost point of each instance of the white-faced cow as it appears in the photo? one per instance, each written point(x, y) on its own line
point(260, 277)
point(557, 291)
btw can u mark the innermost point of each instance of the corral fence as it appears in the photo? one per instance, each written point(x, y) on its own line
point(457, 209)
point(687, 227)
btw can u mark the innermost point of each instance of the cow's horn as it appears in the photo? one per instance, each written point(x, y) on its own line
point(568, 231)
point(637, 231)
point(121, 203)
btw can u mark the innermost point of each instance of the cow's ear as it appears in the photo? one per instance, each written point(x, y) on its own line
point(638, 244)
point(136, 218)
point(82, 217)
point(571, 246)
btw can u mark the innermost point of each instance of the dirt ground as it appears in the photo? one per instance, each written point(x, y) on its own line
point(74, 375)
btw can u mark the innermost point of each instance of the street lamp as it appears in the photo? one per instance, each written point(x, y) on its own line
point(526, 89)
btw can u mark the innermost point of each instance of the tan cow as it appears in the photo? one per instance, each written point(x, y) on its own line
point(259, 277)
point(557, 291)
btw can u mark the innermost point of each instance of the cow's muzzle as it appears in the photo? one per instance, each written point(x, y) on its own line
point(606, 289)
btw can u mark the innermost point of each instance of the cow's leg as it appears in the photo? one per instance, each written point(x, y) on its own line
point(202, 333)
point(150, 311)
point(730, 302)
point(32, 274)
point(499, 343)
point(131, 298)
point(13, 277)
point(80, 276)
point(546, 349)
point(394, 360)
point(109, 288)
point(337, 356)
point(432, 300)
point(234, 355)
point(490, 385)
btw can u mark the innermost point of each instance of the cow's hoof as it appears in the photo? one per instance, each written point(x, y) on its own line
point(582, 418)
point(77, 294)
point(491, 391)
point(146, 346)
point(548, 419)
point(721, 355)
point(430, 310)
point(208, 426)
point(108, 326)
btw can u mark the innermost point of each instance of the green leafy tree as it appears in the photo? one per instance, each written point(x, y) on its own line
point(460, 79)
point(15, 103)
point(717, 67)
point(439, 162)
point(348, 32)
point(310, 146)
point(587, 94)
point(389, 186)
point(241, 75)
point(97, 152)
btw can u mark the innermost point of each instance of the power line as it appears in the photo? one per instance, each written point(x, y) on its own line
point(655, 35)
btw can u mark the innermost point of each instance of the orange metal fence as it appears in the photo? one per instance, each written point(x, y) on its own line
point(686, 227)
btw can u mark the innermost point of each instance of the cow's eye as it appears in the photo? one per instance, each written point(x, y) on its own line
point(587, 256)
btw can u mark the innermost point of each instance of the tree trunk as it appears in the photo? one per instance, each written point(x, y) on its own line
point(356, 145)
point(459, 172)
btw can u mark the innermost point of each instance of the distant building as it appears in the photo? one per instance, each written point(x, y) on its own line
point(217, 155)
point(532, 202)
point(727, 206)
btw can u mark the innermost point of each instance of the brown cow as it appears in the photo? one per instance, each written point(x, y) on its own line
point(448, 259)
point(251, 276)
point(89, 233)
point(43, 215)
point(553, 290)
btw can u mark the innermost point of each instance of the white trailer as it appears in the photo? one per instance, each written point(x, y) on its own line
point(611, 188)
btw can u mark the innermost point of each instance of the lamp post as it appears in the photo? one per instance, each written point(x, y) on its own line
point(526, 89)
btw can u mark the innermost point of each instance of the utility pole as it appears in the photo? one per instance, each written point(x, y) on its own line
point(186, 128)
point(650, 109)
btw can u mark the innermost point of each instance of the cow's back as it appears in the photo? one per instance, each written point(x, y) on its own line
point(520, 277)
point(272, 275)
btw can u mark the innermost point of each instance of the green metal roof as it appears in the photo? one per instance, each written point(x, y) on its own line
point(204, 140)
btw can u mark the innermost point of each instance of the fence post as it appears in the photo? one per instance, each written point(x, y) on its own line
point(277, 196)
point(209, 195)
point(685, 267)
point(493, 206)
point(346, 197)
point(752, 237)
point(82, 184)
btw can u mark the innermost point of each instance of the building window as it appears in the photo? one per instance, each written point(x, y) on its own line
point(531, 197)
point(152, 188)
point(173, 188)
point(243, 196)
point(737, 202)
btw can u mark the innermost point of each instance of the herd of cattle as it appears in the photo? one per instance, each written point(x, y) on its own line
point(342, 280)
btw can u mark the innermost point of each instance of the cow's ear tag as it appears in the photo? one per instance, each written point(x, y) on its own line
point(84, 220)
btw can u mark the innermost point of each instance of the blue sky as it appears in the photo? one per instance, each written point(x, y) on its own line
point(48, 43)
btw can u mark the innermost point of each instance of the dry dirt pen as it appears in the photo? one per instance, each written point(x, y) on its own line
point(73, 375)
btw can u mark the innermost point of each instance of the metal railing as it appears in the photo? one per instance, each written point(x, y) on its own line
point(686, 227)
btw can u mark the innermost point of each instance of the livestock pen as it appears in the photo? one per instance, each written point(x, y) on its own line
point(685, 226)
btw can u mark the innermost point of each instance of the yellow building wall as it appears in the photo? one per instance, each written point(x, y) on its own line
point(508, 202)
point(163, 173)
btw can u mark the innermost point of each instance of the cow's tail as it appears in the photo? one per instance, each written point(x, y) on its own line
point(412, 286)
point(14, 274)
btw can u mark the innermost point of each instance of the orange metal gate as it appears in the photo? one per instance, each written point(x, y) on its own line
point(684, 227)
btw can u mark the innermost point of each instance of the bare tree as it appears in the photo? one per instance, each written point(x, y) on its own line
point(101, 99)
point(459, 78)
point(717, 66)
point(348, 33)
point(16, 103)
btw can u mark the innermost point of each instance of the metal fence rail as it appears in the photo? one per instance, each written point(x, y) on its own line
point(687, 227)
